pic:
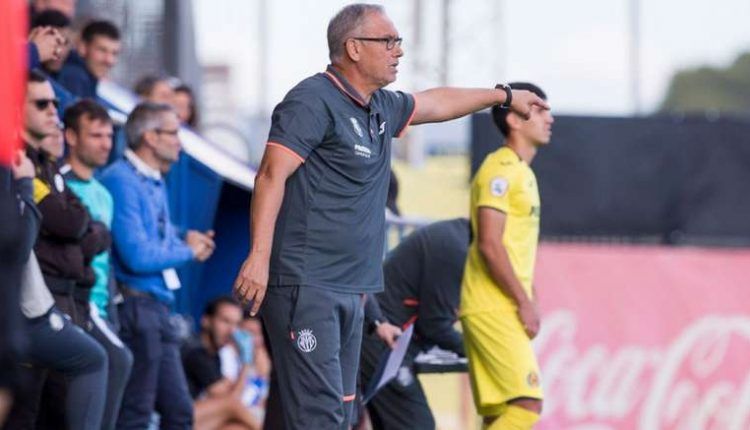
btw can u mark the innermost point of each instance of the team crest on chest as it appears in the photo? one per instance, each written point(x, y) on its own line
point(56, 322)
point(357, 127)
point(59, 183)
point(306, 341)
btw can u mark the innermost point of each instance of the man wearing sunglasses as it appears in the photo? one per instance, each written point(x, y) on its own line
point(67, 241)
point(318, 208)
point(70, 238)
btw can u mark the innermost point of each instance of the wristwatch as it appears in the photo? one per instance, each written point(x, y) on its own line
point(508, 95)
point(374, 324)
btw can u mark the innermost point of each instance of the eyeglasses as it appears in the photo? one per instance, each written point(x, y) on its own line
point(390, 42)
point(169, 132)
point(42, 104)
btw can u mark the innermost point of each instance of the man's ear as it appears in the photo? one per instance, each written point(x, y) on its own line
point(82, 48)
point(71, 137)
point(352, 50)
point(149, 138)
point(513, 120)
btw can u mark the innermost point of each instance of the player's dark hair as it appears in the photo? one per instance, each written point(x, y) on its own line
point(499, 115)
point(213, 306)
point(50, 18)
point(87, 108)
point(37, 76)
point(99, 28)
point(192, 120)
point(145, 86)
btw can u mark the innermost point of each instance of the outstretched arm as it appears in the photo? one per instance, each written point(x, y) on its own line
point(446, 103)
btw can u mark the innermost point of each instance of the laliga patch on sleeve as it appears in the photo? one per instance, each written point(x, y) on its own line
point(499, 186)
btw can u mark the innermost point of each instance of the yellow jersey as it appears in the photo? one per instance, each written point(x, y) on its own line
point(506, 183)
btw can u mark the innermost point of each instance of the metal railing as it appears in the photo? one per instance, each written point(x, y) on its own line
point(197, 146)
point(398, 227)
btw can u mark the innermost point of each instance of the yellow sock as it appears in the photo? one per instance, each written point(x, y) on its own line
point(514, 418)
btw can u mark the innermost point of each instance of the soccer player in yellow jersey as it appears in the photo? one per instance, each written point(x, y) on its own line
point(498, 311)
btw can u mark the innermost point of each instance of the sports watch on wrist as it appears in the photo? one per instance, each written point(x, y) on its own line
point(508, 95)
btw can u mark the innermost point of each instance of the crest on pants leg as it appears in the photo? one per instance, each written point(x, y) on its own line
point(306, 341)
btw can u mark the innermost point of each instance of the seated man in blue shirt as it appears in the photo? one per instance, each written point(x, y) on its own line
point(146, 252)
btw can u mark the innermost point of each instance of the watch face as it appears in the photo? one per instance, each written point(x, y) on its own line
point(508, 95)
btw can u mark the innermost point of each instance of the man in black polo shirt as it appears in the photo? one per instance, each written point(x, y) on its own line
point(422, 287)
point(318, 209)
point(218, 400)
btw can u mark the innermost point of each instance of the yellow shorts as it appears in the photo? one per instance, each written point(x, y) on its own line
point(502, 363)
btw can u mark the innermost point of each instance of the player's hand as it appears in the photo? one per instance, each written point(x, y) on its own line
point(252, 281)
point(22, 166)
point(201, 252)
point(49, 43)
point(388, 333)
point(523, 101)
point(208, 240)
point(528, 313)
point(202, 244)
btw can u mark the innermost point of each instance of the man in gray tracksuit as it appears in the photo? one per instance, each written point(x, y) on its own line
point(422, 287)
point(318, 209)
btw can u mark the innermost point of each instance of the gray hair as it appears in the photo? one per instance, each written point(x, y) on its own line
point(344, 23)
point(145, 117)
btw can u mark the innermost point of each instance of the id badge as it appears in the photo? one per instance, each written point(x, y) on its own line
point(171, 279)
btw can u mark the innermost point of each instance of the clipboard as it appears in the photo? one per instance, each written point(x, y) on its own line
point(389, 364)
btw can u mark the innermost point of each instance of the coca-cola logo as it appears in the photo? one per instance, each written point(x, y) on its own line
point(696, 379)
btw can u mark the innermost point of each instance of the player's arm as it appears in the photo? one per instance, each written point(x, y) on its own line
point(224, 387)
point(447, 103)
point(491, 225)
point(277, 165)
point(219, 388)
point(376, 322)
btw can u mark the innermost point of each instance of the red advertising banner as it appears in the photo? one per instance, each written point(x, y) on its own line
point(12, 74)
point(639, 337)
